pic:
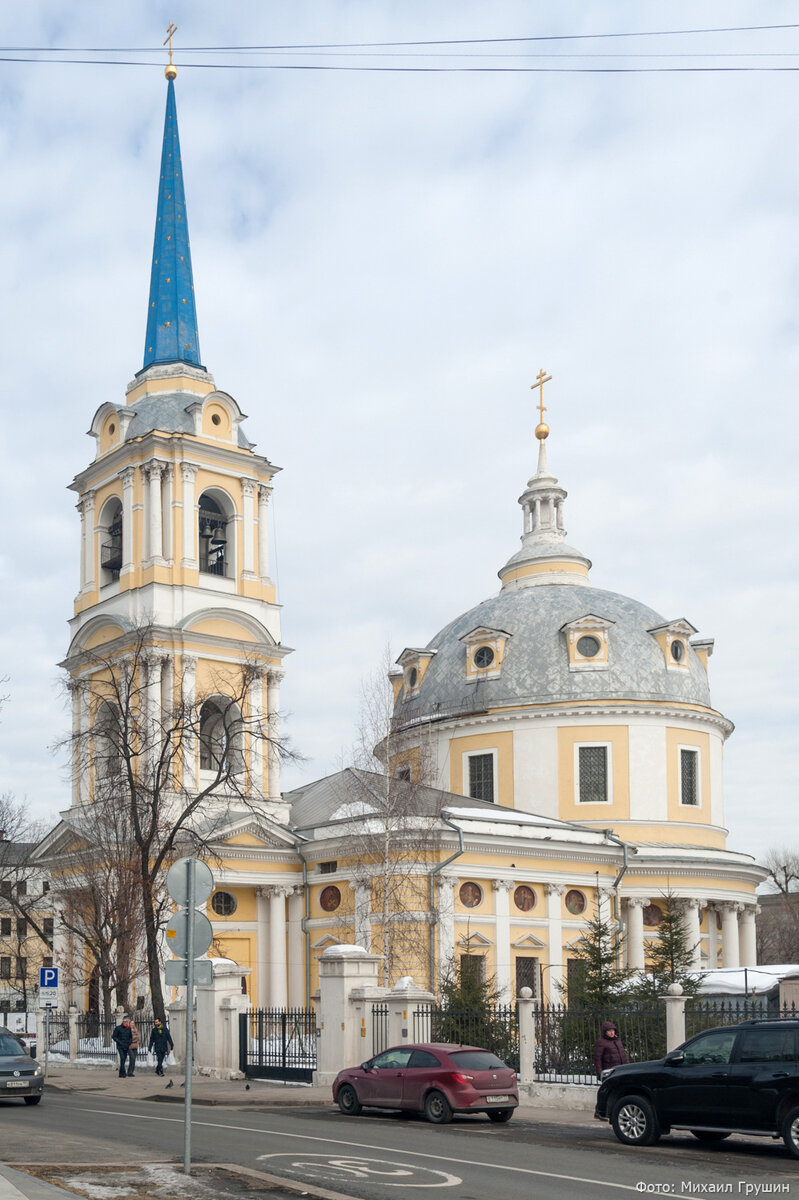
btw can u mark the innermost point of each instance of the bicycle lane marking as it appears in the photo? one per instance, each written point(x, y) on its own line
point(329, 1168)
point(335, 1141)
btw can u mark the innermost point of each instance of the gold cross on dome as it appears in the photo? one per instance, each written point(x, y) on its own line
point(171, 31)
point(540, 379)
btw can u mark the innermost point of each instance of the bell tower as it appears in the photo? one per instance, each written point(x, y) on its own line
point(174, 529)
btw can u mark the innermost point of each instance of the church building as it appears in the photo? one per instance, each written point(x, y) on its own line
point(552, 751)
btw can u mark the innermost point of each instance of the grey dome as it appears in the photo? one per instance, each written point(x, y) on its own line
point(535, 667)
point(167, 412)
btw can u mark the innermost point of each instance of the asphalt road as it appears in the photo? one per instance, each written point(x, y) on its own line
point(380, 1157)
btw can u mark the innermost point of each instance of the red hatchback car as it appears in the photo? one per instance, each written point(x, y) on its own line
point(437, 1078)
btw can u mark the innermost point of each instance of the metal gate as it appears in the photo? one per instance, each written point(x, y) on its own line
point(278, 1043)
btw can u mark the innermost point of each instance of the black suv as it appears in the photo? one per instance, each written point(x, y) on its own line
point(739, 1079)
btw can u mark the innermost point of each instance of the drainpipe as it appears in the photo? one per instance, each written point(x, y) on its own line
point(304, 924)
point(432, 883)
point(611, 836)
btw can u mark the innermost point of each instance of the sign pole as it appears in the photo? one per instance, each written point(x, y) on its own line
point(46, 1037)
point(190, 865)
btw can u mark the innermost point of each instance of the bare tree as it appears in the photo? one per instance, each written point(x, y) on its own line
point(24, 906)
point(778, 923)
point(394, 830)
point(136, 761)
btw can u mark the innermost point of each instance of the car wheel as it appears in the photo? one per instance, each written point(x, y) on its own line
point(31, 1099)
point(500, 1115)
point(634, 1122)
point(348, 1100)
point(790, 1131)
point(709, 1135)
point(437, 1108)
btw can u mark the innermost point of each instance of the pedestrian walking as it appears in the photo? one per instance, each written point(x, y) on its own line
point(161, 1042)
point(133, 1053)
point(122, 1037)
point(608, 1049)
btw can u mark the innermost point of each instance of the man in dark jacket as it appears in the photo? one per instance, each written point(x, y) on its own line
point(161, 1042)
point(608, 1049)
point(123, 1036)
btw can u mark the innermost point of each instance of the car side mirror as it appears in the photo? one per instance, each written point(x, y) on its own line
point(366, 1066)
point(676, 1059)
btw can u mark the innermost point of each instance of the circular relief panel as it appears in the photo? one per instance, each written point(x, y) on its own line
point(471, 894)
point(224, 904)
point(677, 651)
point(588, 646)
point(330, 898)
point(575, 902)
point(653, 915)
point(413, 675)
point(524, 898)
point(483, 657)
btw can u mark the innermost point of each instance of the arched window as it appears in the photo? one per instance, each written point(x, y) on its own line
point(111, 544)
point(107, 742)
point(221, 737)
point(213, 522)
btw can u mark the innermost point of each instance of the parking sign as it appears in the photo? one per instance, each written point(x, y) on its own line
point(48, 986)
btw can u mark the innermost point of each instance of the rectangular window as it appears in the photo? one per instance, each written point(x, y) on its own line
point(328, 868)
point(5, 968)
point(473, 968)
point(481, 776)
point(22, 888)
point(22, 927)
point(5, 889)
point(576, 978)
point(527, 974)
point(5, 926)
point(22, 968)
point(47, 961)
point(592, 770)
point(689, 776)
point(403, 773)
point(45, 887)
point(48, 926)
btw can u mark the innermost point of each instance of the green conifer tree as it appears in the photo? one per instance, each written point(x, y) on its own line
point(599, 981)
point(669, 955)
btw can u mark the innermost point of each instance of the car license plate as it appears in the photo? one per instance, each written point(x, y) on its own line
point(497, 1099)
point(17, 1083)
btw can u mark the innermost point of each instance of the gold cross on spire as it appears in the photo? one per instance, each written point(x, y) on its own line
point(171, 70)
point(542, 429)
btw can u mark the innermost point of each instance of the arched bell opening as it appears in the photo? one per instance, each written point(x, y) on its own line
point(215, 535)
point(111, 541)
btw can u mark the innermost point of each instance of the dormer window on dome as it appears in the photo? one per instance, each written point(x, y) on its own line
point(485, 650)
point(587, 642)
point(414, 663)
point(674, 640)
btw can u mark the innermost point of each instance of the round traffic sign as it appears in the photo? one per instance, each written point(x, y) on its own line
point(177, 881)
point(177, 933)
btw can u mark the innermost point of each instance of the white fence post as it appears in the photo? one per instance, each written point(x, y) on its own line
point(675, 1016)
point(526, 1036)
point(74, 1047)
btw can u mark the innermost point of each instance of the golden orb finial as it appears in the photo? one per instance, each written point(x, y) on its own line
point(170, 70)
point(541, 429)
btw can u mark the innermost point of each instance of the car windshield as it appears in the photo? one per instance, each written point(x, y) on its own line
point(477, 1060)
point(10, 1045)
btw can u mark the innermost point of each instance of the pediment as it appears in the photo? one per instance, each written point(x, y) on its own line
point(528, 942)
point(472, 940)
point(327, 940)
point(251, 832)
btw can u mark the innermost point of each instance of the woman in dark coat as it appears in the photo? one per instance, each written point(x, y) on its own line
point(608, 1049)
point(161, 1042)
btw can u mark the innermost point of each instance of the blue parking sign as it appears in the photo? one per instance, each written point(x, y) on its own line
point(48, 977)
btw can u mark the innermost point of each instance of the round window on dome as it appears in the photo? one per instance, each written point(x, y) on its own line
point(224, 904)
point(678, 651)
point(588, 646)
point(413, 676)
point(483, 657)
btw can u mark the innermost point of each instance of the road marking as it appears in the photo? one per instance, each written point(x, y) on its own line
point(338, 1170)
point(306, 1137)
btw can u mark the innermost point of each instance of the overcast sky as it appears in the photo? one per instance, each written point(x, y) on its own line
point(383, 262)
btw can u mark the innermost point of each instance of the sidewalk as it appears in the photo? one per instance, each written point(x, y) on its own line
point(16, 1185)
point(254, 1093)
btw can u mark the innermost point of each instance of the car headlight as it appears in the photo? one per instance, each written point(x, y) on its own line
point(38, 1071)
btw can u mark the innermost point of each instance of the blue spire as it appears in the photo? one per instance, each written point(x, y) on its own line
point(171, 317)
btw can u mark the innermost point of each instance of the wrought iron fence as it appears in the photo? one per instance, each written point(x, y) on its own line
point(565, 1037)
point(706, 1014)
point(95, 1043)
point(278, 1043)
point(57, 1036)
point(379, 1028)
point(493, 1026)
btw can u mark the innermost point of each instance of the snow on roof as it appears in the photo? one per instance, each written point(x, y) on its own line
point(740, 981)
point(353, 808)
point(514, 817)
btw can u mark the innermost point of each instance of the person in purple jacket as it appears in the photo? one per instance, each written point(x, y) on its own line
point(608, 1049)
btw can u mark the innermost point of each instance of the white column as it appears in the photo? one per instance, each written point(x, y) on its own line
point(262, 945)
point(87, 512)
point(263, 531)
point(167, 697)
point(188, 693)
point(446, 923)
point(256, 738)
point(296, 948)
point(363, 907)
point(153, 663)
point(712, 937)
point(273, 678)
point(730, 949)
point(278, 977)
point(748, 936)
point(84, 785)
point(189, 559)
point(167, 514)
point(502, 974)
point(74, 691)
point(155, 547)
point(127, 476)
point(635, 932)
point(693, 938)
point(554, 892)
point(248, 487)
point(82, 512)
